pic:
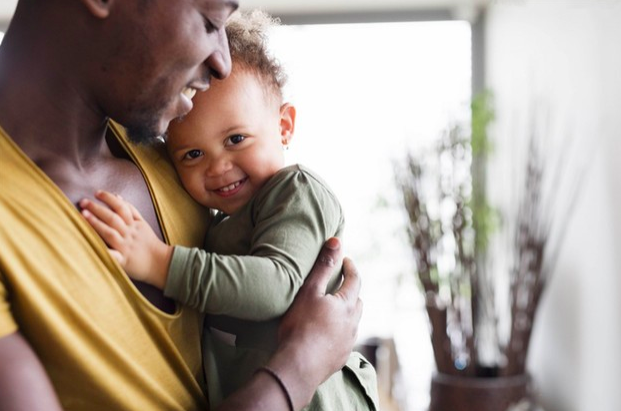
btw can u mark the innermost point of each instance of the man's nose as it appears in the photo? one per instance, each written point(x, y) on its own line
point(219, 61)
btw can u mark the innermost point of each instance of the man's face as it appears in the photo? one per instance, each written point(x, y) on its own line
point(166, 51)
point(230, 144)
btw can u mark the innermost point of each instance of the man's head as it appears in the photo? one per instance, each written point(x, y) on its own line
point(162, 52)
point(135, 61)
point(232, 142)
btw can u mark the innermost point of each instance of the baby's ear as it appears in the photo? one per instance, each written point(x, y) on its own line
point(99, 8)
point(287, 123)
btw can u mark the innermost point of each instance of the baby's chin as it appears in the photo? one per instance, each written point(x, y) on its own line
point(220, 209)
point(228, 210)
point(232, 204)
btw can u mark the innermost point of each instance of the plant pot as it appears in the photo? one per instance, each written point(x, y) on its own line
point(458, 393)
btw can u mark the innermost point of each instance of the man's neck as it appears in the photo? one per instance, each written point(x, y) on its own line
point(48, 111)
point(44, 128)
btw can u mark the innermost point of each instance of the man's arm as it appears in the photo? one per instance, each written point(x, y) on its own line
point(316, 337)
point(24, 384)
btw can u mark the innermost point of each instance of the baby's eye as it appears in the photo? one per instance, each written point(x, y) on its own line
point(233, 140)
point(192, 154)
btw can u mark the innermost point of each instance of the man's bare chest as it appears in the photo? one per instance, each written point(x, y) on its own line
point(118, 176)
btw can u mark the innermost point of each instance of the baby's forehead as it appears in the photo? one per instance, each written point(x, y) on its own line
point(265, 80)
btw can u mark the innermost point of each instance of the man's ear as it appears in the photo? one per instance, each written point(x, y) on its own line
point(99, 8)
point(287, 123)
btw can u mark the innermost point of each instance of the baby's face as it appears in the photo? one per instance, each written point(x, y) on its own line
point(230, 144)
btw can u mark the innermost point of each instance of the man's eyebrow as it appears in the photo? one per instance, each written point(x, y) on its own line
point(234, 4)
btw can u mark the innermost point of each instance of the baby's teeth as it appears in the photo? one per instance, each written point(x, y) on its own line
point(230, 187)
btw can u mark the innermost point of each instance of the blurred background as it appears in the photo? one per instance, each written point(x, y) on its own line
point(373, 81)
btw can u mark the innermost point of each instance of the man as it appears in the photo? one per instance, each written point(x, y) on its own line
point(75, 333)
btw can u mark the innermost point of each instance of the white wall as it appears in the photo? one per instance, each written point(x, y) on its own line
point(349, 6)
point(565, 57)
point(7, 7)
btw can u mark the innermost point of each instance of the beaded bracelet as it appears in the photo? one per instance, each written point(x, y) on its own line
point(280, 382)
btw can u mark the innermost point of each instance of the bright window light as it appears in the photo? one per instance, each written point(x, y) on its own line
point(1, 36)
point(366, 93)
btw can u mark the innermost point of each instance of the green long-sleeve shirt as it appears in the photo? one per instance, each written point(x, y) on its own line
point(253, 263)
point(256, 259)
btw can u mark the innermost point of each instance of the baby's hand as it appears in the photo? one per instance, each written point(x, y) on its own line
point(131, 240)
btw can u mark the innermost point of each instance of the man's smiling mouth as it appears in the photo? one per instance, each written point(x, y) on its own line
point(189, 92)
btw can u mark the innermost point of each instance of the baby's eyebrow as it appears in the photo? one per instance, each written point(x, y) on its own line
point(183, 148)
point(234, 129)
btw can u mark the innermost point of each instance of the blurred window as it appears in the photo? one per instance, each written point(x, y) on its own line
point(366, 93)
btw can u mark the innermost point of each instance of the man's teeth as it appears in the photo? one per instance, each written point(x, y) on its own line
point(189, 92)
point(231, 186)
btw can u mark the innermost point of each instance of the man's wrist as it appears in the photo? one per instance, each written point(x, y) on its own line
point(295, 370)
point(285, 391)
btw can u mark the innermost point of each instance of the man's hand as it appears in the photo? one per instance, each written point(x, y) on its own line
point(316, 336)
point(131, 240)
point(319, 330)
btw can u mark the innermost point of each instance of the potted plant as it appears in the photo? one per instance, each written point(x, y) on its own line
point(450, 225)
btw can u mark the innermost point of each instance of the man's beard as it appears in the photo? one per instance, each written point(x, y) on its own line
point(145, 130)
point(142, 134)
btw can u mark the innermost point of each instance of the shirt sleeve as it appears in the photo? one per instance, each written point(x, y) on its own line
point(294, 214)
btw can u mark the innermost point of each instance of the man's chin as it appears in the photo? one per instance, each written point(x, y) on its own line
point(144, 134)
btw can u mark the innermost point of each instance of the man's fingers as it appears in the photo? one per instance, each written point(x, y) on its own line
point(350, 289)
point(329, 257)
point(357, 314)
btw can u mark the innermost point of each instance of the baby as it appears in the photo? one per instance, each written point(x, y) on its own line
point(271, 223)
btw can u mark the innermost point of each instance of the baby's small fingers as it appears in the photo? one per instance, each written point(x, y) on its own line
point(116, 204)
point(135, 213)
point(117, 256)
point(105, 215)
point(98, 210)
point(107, 233)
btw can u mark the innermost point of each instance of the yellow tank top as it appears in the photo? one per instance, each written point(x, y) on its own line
point(104, 346)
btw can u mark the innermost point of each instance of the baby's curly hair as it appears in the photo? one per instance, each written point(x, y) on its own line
point(247, 35)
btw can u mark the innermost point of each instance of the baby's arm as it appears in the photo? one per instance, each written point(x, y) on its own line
point(293, 215)
point(131, 240)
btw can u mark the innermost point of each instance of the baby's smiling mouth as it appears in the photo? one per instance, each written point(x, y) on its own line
point(231, 188)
